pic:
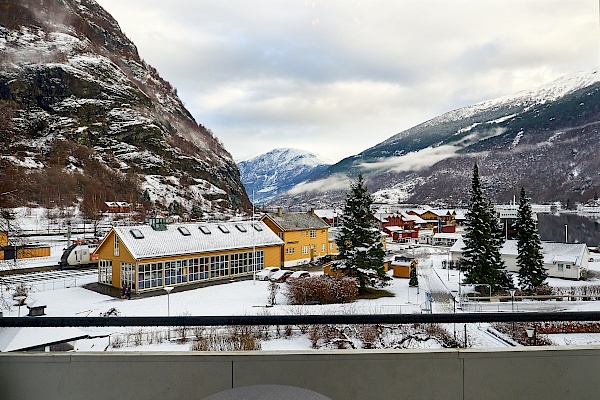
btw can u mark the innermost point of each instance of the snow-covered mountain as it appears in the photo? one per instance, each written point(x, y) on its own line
point(275, 172)
point(545, 139)
point(84, 117)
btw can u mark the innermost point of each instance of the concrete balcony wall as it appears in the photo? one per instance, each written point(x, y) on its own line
point(471, 374)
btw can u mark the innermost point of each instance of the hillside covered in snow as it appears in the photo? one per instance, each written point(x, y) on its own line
point(545, 139)
point(85, 119)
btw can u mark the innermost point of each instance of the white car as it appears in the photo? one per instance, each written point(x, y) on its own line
point(265, 273)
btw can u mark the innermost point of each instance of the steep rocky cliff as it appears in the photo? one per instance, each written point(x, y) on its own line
point(81, 113)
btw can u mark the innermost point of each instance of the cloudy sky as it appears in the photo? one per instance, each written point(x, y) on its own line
point(336, 77)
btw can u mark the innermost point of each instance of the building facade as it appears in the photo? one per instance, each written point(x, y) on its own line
point(305, 236)
point(561, 260)
point(150, 257)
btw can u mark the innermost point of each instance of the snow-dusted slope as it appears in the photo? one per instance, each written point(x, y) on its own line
point(544, 138)
point(74, 92)
point(275, 172)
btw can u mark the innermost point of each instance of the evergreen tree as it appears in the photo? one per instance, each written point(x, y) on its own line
point(529, 259)
point(413, 277)
point(360, 248)
point(483, 240)
point(175, 208)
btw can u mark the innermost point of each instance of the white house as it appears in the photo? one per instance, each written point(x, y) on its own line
point(445, 239)
point(561, 260)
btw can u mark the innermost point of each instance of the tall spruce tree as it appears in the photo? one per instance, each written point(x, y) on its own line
point(529, 246)
point(360, 249)
point(483, 240)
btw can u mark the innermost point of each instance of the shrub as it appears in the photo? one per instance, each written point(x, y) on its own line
point(321, 289)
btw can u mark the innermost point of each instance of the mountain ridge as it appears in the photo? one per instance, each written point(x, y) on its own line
point(431, 161)
point(79, 99)
point(270, 174)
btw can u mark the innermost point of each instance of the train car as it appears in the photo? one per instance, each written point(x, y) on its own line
point(79, 254)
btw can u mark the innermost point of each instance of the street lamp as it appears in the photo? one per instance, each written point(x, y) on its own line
point(168, 289)
point(531, 334)
point(512, 303)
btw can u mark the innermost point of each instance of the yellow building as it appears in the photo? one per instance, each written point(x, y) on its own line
point(306, 236)
point(150, 257)
point(432, 217)
point(9, 251)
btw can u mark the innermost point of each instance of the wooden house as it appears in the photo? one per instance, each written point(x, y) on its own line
point(400, 227)
point(150, 257)
point(116, 207)
point(19, 251)
point(561, 260)
point(305, 236)
point(435, 217)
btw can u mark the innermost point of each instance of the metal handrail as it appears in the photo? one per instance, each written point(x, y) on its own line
point(348, 319)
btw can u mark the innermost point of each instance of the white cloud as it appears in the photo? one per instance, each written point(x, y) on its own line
point(333, 182)
point(415, 161)
point(263, 74)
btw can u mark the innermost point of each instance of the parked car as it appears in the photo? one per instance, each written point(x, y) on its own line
point(265, 273)
point(298, 275)
point(280, 276)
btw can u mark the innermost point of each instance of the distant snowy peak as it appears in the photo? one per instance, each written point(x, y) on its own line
point(277, 171)
point(289, 156)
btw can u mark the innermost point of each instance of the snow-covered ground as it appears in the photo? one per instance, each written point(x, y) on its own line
point(250, 298)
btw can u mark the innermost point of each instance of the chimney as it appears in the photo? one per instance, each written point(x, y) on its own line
point(279, 211)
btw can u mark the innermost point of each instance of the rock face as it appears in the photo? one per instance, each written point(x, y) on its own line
point(77, 99)
point(545, 139)
point(270, 174)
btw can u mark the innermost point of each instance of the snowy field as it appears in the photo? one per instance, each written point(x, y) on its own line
point(251, 297)
point(63, 295)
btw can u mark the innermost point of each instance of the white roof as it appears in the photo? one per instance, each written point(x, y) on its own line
point(552, 252)
point(329, 214)
point(172, 242)
point(394, 228)
point(15, 339)
point(447, 235)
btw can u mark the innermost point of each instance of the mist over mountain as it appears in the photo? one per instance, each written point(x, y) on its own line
point(545, 139)
point(84, 118)
point(270, 174)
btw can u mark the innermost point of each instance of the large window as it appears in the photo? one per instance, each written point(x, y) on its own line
point(175, 272)
point(106, 271)
point(219, 266)
point(128, 274)
point(150, 275)
point(238, 263)
point(116, 248)
point(313, 233)
point(259, 260)
point(304, 249)
point(198, 269)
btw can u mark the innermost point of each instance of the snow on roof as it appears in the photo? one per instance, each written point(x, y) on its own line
point(552, 252)
point(297, 221)
point(15, 339)
point(394, 228)
point(191, 238)
point(329, 214)
point(447, 235)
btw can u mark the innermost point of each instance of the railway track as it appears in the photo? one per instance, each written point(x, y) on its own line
point(39, 275)
point(36, 269)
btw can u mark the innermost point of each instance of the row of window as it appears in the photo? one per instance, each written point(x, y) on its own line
point(305, 249)
point(158, 274)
